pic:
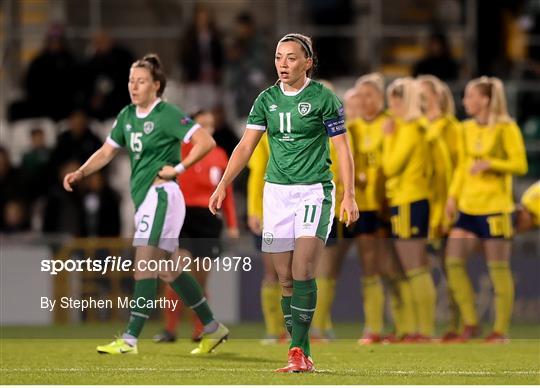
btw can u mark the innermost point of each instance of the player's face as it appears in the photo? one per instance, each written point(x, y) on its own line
point(369, 100)
point(142, 88)
point(428, 96)
point(291, 63)
point(474, 102)
point(396, 105)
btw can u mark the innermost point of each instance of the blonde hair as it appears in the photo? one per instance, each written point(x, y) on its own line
point(493, 88)
point(374, 79)
point(349, 93)
point(443, 92)
point(407, 89)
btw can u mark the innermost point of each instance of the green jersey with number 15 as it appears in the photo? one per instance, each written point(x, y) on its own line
point(152, 140)
point(298, 126)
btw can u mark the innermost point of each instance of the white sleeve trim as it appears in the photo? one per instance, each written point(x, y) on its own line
point(112, 142)
point(257, 127)
point(190, 133)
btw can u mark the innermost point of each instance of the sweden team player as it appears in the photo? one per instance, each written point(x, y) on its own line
point(442, 135)
point(152, 131)
point(491, 151)
point(299, 115)
point(405, 162)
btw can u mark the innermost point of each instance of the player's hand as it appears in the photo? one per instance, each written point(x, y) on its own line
point(480, 166)
point(72, 179)
point(350, 209)
point(216, 199)
point(450, 208)
point(389, 127)
point(233, 233)
point(255, 225)
point(168, 173)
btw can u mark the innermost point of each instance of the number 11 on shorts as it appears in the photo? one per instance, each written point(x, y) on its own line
point(313, 209)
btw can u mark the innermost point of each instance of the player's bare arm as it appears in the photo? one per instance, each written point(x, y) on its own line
point(202, 142)
point(237, 162)
point(348, 206)
point(96, 162)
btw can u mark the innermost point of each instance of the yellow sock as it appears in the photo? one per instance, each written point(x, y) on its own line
point(373, 298)
point(462, 289)
point(454, 321)
point(403, 307)
point(326, 289)
point(271, 306)
point(424, 297)
point(503, 286)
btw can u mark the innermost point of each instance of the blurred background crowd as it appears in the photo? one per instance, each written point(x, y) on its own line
point(65, 65)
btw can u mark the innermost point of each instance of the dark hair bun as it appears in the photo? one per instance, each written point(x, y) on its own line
point(153, 59)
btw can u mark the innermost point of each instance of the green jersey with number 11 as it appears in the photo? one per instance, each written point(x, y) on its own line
point(298, 126)
point(152, 141)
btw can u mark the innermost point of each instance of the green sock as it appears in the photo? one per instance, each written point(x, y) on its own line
point(286, 308)
point(189, 290)
point(146, 289)
point(303, 304)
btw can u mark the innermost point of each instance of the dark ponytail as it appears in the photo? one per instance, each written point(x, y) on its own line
point(152, 63)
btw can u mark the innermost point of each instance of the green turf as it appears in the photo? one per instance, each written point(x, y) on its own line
point(242, 361)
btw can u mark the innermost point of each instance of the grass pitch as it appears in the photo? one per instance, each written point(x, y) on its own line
point(26, 360)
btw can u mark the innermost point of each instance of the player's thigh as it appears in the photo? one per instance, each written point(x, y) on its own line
point(497, 249)
point(367, 248)
point(410, 224)
point(269, 275)
point(307, 253)
point(283, 265)
point(460, 243)
point(412, 253)
point(337, 245)
point(159, 218)
point(147, 261)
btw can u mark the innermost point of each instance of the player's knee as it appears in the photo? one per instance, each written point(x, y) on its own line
point(286, 286)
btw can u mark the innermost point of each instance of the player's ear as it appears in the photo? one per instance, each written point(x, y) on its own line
point(309, 64)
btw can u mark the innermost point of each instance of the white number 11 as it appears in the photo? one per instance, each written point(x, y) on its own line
point(282, 122)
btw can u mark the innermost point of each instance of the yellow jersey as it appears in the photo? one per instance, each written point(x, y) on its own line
point(449, 130)
point(490, 191)
point(440, 170)
point(531, 201)
point(405, 162)
point(367, 151)
point(255, 186)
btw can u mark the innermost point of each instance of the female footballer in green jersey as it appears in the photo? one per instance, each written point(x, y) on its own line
point(152, 131)
point(299, 115)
